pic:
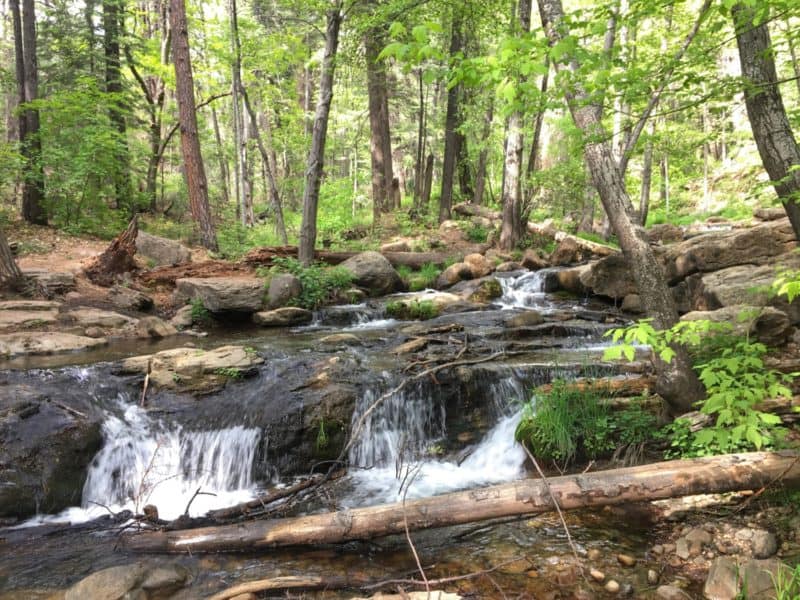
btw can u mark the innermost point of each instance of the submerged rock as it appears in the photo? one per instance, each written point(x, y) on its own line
point(283, 317)
point(140, 581)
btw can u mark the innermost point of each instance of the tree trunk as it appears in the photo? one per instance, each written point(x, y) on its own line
point(187, 115)
point(480, 171)
point(380, 142)
point(28, 88)
point(647, 176)
point(530, 496)
point(223, 163)
point(274, 197)
point(316, 154)
point(677, 382)
point(451, 122)
point(771, 129)
point(239, 140)
point(113, 13)
point(419, 175)
point(10, 275)
point(428, 183)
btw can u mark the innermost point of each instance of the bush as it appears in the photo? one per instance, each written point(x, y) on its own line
point(415, 309)
point(320, 284)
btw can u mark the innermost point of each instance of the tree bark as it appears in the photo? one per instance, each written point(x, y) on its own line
point(483, 155)
point(10, 275)
point(316, 154)
point(380, 142)
point(28, 88)
point(677, 382)
point(647, 176)
point(116, 259)
point(530, 496)
point(419, 175)
point(190, 142)
point(113, 13)
point(428, 183)
point(766, 112)
point(223, 162)
point(451, 123)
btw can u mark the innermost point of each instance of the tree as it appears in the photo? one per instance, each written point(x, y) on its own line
point(10, 275)
point(190, 142)
point(677, 383)
point(451, 124)
point(28, 88)
point(319, 133)
point(771, 129)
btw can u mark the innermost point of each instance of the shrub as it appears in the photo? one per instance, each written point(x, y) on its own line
point(320, 284)
point(415, 309)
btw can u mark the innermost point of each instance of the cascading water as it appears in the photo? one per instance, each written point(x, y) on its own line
point(525, 291)
point(143, 463)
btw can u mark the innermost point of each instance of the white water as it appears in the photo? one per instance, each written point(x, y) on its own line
point(525, 291)
point(143, 463)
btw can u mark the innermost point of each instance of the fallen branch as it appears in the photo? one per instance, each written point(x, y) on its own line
point(289, 582)
point(530, 496)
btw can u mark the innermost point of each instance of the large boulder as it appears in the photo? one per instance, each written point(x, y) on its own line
point(610, 276)
point(567, 253)
point(456, 272)
point(478, 264)
point(129, 299)
point(153, 327)
point(718, 250)
point(664, 233)
point(286, 316)
point(283, 287)
point(373, 272)
point(569, 280)
point(223, 294)
point(748, 578)
point(50, 283)
point(50, 342)
point(45, 449)
point(769, 325)
point(192, 369)
point(161, 251)
point(482, 291)
point(138, 581)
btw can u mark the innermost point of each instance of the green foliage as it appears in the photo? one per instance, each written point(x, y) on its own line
point(477, 233)
point(320, 284)
point(787, 584)
point(200, 313)
point(567, 423)
point(322, 436)
point(736, 379)
point(229, 372)
point(787, 284)
point(419, 280)
point(421, 310)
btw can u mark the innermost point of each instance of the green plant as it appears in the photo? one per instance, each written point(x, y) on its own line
point(415, 309)
point(200, 314)
point(736, 379)
point(322, 436)
point(229, 372)
point(477, 233)
point(319, 283)
point(787, 284)
point(787, 583)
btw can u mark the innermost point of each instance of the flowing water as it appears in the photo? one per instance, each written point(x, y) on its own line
point(419, 438)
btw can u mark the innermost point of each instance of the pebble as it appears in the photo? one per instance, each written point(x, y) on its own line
point(658, 550)
point(626, 560)
point(612, 586)
point(682, 548)
point(594, 553)
point(581, 594)
point(652, 577)
point(597, 575)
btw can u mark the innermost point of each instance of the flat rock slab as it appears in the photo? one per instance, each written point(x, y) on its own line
point(193, 368)
point(29, 305)
point(222, 294)
point(94, 317)
point(283, 317)
point(14, 344)
point(26, 319)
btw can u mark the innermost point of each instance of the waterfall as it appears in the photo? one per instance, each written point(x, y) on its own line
point(525, 291)
point(142, 462)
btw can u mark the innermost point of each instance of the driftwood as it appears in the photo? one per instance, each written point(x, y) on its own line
point(607, 385)
point(290, 582)
point(531, 496)
point(593, 247)
point(116, 259)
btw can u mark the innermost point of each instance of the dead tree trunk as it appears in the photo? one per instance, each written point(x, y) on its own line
point(10, 275)
point(116, 259)
point(530, 496)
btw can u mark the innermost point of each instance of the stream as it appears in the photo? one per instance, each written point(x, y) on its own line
point(438, 434)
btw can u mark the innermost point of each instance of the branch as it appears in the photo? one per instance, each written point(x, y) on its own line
point(165, 142)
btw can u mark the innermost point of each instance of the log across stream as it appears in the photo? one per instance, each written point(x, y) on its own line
point(530, 496)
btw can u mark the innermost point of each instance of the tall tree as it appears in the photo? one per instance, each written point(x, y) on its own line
point(113, 13)
point(676, 382)
point(771, 129)
point(512, 166)
point(190, 141)
point(451, 123)
point(319, 133)
point(28, 88)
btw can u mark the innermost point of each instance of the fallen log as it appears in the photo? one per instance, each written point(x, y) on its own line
point(264, 257)
point(628, 386)
point(530, 496)
point(167, 275)
point(468, 209)
point(290, 582)
point(547, 229)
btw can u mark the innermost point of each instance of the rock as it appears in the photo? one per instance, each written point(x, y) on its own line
point(138, 581)
point(528, 318)
point(128, 299)
point(287, 316)
point(697, 538)
point(632, 303)
point(507, 267)
point(719, 250)
point(478, 264)
point(566, 253)
point(652, 576)
point(626, 560)
point(670, 592)
point(722, 582)
point(758, 577)
point(340, 339)
point(597, 575)
point(30, 343)
point(192, 368)
point(153, 327)
point(612, 587)
point(182, 319)
point(769, 325)
point(533, 260)
point(373, 272)
point(399, 246)
point(50, 283)
point(769, 214)
point(94, 317)
point(29, 305)
point(481, 291)
point(450, 232)
point(664, 233)
point(223, 294)
point(453, 274)
point(15, 315)
point(763, 543)
point(594, 554)
point(610, 277)
point(682, 548)
point(45, 451)
point(570, 280)
point(283, 287)
point(161, 251)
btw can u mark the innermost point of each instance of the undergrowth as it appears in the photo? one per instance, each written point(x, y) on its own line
point(320, 284)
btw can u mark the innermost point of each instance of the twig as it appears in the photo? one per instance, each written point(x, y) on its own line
point(443, 580)
point(146, 381)
point(69, 409)
point(410, 480)
point(195, 495)
point(557, 507)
